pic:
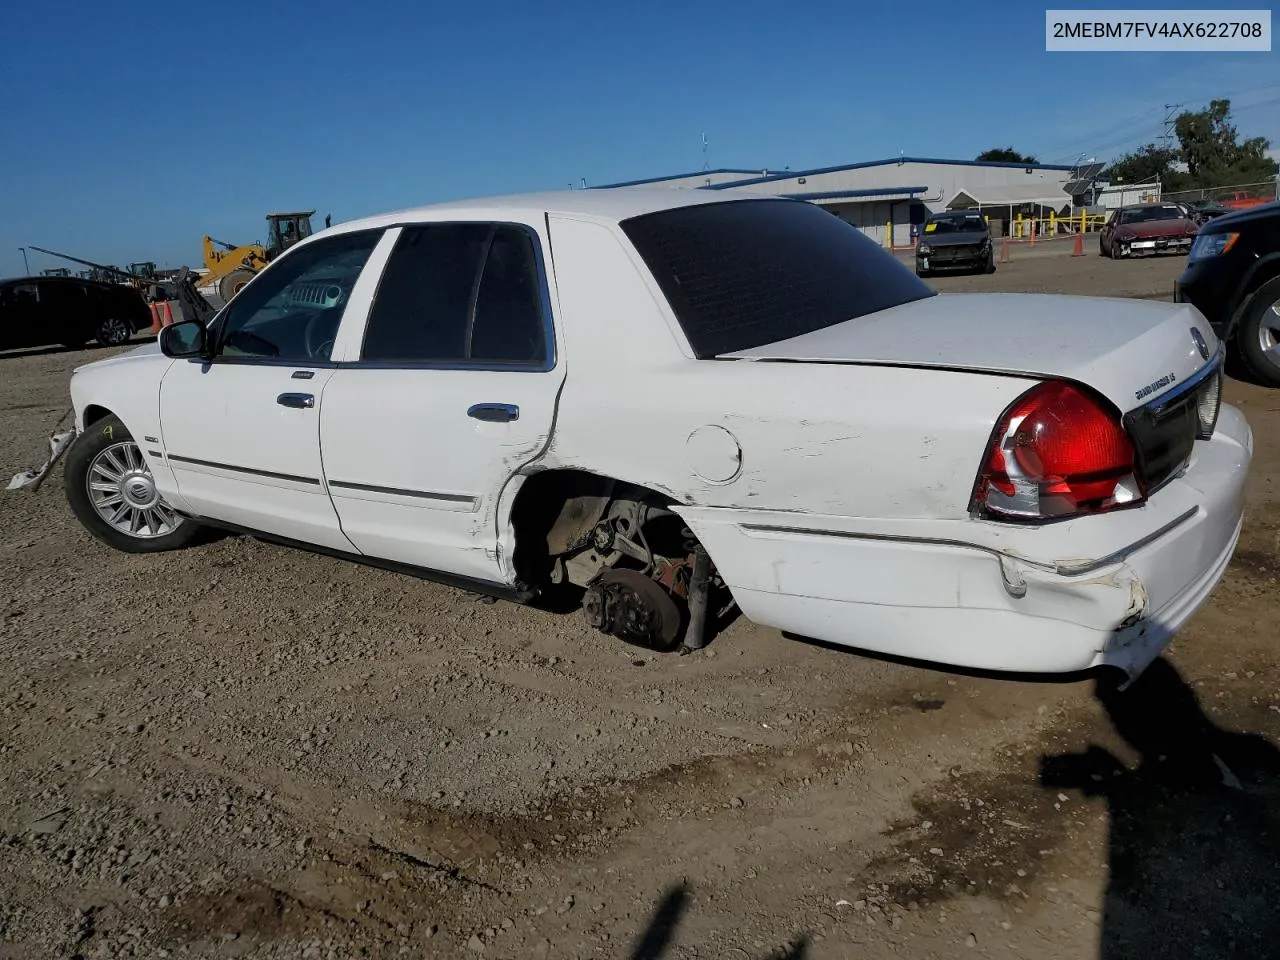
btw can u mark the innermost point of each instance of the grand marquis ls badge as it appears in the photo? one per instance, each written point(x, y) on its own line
point(1200, 343)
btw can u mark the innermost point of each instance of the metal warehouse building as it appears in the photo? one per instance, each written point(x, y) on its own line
point(889, 199)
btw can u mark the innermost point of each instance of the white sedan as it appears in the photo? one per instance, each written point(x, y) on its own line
point(657, 400)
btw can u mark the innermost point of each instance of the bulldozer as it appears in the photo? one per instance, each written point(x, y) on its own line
point(229, 267)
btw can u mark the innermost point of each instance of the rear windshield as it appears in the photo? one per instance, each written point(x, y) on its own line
point(745, 273)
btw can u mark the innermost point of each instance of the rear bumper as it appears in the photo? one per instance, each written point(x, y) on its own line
point(1103, 590)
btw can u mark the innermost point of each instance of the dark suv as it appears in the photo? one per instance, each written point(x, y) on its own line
point(1233, 278)
point(40, 311)
point(955, 240)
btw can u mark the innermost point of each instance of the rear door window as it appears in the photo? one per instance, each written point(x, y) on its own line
point(745, 273)
point(460, 294)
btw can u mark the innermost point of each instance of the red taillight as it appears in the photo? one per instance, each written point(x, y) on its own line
point(1056, 452)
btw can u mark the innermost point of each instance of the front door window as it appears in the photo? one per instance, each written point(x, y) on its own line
point(292, 311)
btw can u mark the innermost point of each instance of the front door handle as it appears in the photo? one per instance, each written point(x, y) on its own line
point(494, 412)
point(299, 400)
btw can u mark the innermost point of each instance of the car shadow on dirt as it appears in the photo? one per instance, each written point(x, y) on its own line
point(21, 352)
point(1194, 841)
point(658, 934)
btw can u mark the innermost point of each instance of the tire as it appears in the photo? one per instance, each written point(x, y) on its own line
point(233, 283)
point(1257, 338)
point(990, 266)
point(106, 449)
point(923, 273)
point(111, 332)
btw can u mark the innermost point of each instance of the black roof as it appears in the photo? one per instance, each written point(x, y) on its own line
point(82, 281)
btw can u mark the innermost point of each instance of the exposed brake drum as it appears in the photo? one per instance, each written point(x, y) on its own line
point(634, 608)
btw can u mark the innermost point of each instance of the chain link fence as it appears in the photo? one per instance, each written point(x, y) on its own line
point(1239, 194)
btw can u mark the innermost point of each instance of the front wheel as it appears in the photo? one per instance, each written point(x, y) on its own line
point(112, 332)
point(233, 283)
point(1257, 339)
point(113, 494)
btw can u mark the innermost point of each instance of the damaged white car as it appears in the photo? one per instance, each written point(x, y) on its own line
point(659, 400)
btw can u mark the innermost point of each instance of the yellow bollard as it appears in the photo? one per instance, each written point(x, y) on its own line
point(1019, 226)
point(888, 232)
point(1053, 224)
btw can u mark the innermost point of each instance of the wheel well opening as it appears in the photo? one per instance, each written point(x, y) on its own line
point(622, 552)
point(1265, 273)
point(93, 413)
point(556, 511)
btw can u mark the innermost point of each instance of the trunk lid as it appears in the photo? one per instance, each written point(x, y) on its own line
point(1131, 351)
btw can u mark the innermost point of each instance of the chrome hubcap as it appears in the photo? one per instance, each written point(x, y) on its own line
point(1269, 332)
point(124, 494)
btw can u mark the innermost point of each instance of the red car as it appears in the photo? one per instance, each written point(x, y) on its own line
point(1147, 228)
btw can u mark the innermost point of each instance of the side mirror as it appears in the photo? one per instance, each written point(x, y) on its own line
point(186, 339)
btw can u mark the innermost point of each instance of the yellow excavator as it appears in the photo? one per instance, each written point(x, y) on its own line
point(230, 267)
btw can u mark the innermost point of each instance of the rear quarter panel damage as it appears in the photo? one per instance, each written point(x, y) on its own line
point(835, 439)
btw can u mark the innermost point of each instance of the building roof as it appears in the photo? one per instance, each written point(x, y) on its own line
point(1002, 195)
point(873, 193)
point(755, 171)
point(891, 161)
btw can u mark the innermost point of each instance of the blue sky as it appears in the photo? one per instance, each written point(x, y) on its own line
point(132, 129)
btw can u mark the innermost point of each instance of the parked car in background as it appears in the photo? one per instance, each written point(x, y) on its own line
point(1202, 211)
point(1002, 481)
point(955, 240)
point(1147, 228)
point(1233, 278)
point(71, 311)
point(1245, 199)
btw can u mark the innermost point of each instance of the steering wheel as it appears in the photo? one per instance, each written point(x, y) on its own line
point(319, 333)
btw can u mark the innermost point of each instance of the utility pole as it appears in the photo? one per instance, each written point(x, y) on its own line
point(25, 265)
point(1167, 124)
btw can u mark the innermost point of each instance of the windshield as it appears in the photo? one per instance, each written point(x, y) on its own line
point(1165, 211)
point(971, 223)
point(744, 273)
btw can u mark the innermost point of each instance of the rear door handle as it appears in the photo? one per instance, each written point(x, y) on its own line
point(299, 400)
point(494, 412)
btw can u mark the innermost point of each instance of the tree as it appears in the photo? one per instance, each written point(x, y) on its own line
point(1005, 155)
point(1144, 165)
point(1208, 145)
point(1213, 153)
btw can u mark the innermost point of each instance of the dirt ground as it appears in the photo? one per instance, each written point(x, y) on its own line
point(240, 750)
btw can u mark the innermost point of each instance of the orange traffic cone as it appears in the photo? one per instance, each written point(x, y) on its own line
point(161, 316)
point(1079, 248)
